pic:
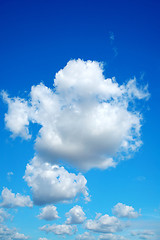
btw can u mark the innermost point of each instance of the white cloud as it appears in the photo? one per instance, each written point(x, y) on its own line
point(11, 200)
point(48, 213)
point(51, 183)
point(85, 119)
point(19, 236)
point(75, 215)
point(59, 229)
point(42, 238)
point(17, 119)
point(143, 234)
point(111, 236)
point(105, 224)
point(11, 234)
point(85, 236)
point(3, 215)
point(122, 210)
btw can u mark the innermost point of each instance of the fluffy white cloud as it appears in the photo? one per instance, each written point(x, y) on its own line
point(19, 236)
point(105, 224)
point(75, 215)
point(85, 236)
point(122, 210)
point(111, 236)
point(3, 215)
point(11, 234)
point(17, 119)
point(51, 183)
point(48, 213)
point(59, 229)
point(85, 119)
point(42, 238)
point(143, 234)
point(11, 200)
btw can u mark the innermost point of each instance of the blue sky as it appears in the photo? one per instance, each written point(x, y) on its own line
point(100, 136)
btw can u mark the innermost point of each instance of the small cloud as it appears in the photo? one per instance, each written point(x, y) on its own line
point(9, 174)
point(48, 213)
point(111, 36)
point(112, 39)
point(124, 211)
point(142, 74)
point(4, 215)
point(143, 234)
point(59, 229)
point(110, 236)
point(12, 200)
point(141, 178)
point(75, 215)
point(8, 233)
point(115, 51)
point(105, 224)
point(85, 236)
point(42, 238)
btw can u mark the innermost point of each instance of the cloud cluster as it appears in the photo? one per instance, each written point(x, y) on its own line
point(11, 234)
point(111, 236)
point(85, 236)
point(48, 213)
point(75, 215)
point(105, 224)
point(42, 238)
point(59, 229)
point(3, 215)
point(11, 200)
point(143, 234)
point(85, 120)
point(52, 183)
point(122, 210)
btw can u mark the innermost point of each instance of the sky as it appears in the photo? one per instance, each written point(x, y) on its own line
point(79, 120)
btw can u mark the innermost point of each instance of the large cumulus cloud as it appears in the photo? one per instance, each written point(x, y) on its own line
point(84, 119)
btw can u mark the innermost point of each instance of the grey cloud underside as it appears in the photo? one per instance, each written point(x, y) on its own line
point(85, 119)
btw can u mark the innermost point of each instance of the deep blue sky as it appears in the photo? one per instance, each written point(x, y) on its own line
point(38, 38)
